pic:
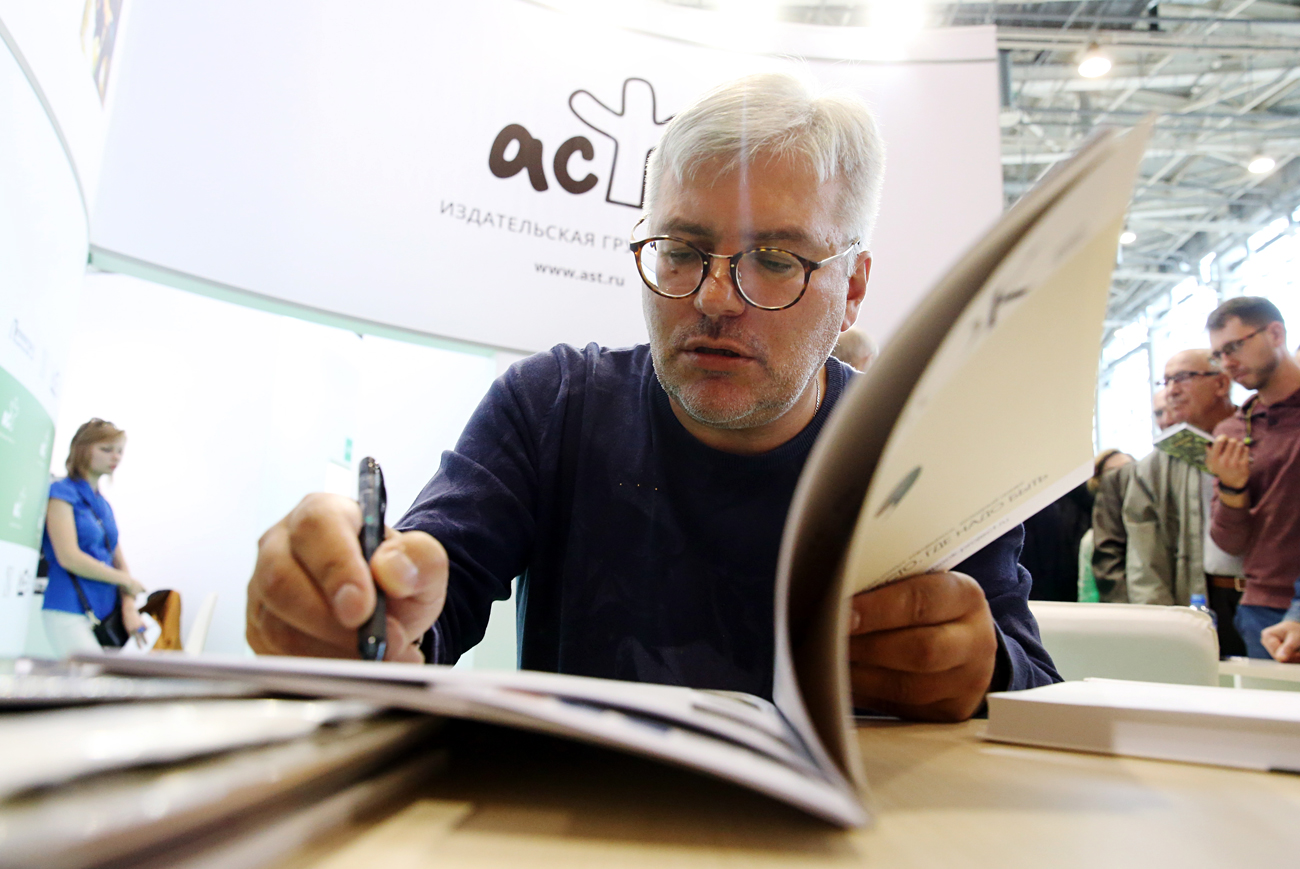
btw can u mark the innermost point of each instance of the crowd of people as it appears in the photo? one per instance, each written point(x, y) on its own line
point(1164, 530)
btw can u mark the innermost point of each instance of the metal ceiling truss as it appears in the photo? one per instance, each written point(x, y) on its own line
point(1221, 76)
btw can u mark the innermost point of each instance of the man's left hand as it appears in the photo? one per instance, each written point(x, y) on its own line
point(923, 647)
point(1282, 641)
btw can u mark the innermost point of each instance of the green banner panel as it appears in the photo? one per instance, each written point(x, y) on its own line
point(26, 437)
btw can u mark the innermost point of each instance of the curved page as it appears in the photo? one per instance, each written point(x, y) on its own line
point(889, 404)
point(735, 738)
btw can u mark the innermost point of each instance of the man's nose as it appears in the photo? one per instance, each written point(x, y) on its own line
point(718, 296)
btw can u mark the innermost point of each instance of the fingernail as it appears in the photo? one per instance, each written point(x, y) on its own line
point(855, 621)
point(399, 572)
point(349, 604)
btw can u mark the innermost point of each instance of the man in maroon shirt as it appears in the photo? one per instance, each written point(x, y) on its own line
point(1256, 458)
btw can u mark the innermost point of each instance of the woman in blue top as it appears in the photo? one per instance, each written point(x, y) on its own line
point(81, 540)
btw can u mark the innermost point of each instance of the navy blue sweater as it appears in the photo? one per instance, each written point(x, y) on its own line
point(642, 554)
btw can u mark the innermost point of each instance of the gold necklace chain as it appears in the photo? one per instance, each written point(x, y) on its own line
point(817, 385)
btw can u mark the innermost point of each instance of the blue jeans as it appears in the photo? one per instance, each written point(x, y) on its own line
point(1250, 621)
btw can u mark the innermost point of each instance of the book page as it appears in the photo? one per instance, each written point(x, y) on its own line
point(737, 738)
point(1000, 424)
point(811, 671)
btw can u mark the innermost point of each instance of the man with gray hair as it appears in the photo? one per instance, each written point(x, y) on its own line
point(639, 494)
point(1166, 508)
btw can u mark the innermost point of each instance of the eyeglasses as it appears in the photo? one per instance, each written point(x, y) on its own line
point(768, 278)
point(1232, 348)
point(1185, 376)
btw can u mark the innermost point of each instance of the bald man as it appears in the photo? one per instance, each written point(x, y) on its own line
point(1167, 507)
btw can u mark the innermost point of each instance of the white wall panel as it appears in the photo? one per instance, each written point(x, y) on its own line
point(232, 415)
point(56, 48)
point(43, 242)
point(321, 153)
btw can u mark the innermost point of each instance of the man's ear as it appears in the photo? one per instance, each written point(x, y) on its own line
point(857, 289)
point(1277, 332)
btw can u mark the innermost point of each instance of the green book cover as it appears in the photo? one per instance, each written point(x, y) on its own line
point(1187, 443)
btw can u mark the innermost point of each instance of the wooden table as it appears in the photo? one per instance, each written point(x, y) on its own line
point(942, 798)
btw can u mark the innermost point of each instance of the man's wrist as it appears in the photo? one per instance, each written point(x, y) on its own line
point(1232, 490)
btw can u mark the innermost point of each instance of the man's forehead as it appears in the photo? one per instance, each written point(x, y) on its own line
point(706, 230)
point(1231, 328)
point(1191, 360)
point(777, 208)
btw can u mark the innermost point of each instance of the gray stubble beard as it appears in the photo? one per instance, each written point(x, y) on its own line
point(811, 355)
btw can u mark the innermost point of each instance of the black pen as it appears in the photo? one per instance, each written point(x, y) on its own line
point(372, 639)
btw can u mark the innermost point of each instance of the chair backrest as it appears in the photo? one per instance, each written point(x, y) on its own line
point(164, 605)
point(198, 635)
point(1129, 641)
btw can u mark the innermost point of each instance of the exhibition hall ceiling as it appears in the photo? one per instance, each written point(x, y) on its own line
point(1221, 75)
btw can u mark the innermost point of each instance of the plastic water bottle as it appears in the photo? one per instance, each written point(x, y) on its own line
point(1198, 604)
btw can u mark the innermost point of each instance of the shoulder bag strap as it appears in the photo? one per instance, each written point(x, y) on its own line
point(91, 502)
point(85, 604)
point(76, 581)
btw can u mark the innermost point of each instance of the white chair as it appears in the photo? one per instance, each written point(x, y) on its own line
point(1129, 641)
point(198, 635)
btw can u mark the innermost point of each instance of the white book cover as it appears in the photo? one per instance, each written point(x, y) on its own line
point(1237, 727)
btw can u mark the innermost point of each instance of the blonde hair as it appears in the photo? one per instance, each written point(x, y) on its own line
point(95, 431)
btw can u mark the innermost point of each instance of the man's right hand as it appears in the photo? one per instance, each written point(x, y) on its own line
point(311, 589)
point(1282, 641)
point(1229, 460)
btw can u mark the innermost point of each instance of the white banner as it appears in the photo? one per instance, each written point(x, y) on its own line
point(50, 115)
point(473, 171)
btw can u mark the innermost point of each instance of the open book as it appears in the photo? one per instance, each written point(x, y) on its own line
point(976, 415)
point(1187, 443)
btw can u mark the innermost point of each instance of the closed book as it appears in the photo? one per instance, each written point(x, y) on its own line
point(1187, 443)
point(1237, 727)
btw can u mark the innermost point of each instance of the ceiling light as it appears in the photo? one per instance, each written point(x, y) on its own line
point(901, 20)
point(1094, 63)
point(1261, 164)
point(1128, 236)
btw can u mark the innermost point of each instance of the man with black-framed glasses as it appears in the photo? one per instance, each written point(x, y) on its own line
point(1256, 458)
point(1166, 512)
point(640, 494)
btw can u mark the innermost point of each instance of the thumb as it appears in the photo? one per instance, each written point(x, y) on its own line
point(411, 567)
point(407, 562)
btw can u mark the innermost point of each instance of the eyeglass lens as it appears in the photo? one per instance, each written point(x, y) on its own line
point(768, 278)
point(1185, 376)
point(1231, 348)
